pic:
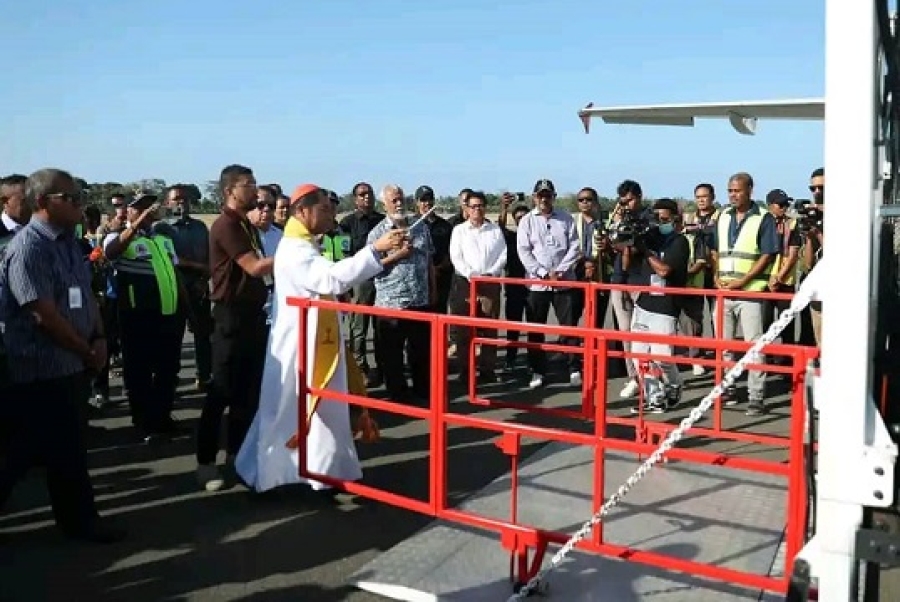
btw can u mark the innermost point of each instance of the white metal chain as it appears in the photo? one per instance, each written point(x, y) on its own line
point(798, 303)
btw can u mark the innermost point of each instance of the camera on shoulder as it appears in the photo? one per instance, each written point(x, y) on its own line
point(633, 230)
point(809, 215)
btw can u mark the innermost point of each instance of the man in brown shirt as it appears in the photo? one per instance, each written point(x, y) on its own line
point(241, 279)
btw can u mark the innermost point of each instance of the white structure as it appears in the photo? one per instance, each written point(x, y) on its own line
point(856, 453)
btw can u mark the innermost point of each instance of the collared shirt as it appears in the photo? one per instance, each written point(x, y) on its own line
point(232, 236)
point(478, 250)
point(190, 236)
point(406, 283)
point(270, 239)
point(44, 262)
point(548, 244)
point(10, 224)
point(357, 225)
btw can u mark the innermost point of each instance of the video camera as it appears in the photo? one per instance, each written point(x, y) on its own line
point(809, 215)
point(633, 229)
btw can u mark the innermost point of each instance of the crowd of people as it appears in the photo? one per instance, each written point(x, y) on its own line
point(82, 297)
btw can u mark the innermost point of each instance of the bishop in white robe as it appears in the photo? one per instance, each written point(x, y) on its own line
point(269, 456)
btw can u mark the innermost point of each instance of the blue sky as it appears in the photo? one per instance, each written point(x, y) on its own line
point(452, 93)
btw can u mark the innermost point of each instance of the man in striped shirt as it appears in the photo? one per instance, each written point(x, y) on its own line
point(56, 341)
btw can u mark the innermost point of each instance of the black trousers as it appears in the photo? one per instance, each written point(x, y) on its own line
point(239, 340)
point(363, 294)
point(47, 424)
point(514, 311)
point(537, 310)
point(151, 359)
point(200, 320)
point(392, 337)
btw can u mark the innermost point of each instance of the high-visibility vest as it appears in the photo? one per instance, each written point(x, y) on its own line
point(789, 226)
point(335, 246)
point(146, 275)
point(737, 261)
point(694, 280)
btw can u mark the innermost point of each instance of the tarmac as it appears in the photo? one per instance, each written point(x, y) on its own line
point(188, 545)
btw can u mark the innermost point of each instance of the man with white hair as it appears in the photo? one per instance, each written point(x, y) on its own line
point(408, 284)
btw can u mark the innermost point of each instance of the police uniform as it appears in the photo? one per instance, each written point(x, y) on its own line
point(150, 323)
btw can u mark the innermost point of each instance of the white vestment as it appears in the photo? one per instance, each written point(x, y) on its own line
point(265, 459)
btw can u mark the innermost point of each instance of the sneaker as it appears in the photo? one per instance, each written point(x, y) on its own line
point(575, 379)
point(537, 380)
point(673, 395)
point(698, 370)
point(729, 397)
point(209, 478)
point(756, 407)
point(655, 406)
point(629, 390)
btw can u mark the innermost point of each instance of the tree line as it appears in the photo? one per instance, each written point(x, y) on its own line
point(208, 199)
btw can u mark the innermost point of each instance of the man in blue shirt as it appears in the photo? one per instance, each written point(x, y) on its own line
point(56, 342)
point(547, 243)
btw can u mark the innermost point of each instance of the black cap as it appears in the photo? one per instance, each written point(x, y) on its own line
point(423, 192)
point(143, 199)
point(542, 185)
point(778, 197)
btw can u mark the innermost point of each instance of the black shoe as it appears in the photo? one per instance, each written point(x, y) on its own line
point(756, 407)
point(98, 531)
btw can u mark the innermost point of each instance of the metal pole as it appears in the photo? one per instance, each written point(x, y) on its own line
point(854, 184)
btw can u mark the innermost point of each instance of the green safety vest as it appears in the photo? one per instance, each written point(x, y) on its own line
point(335, 246)
point(694, 280)
point(145, 265)
point(736, 262)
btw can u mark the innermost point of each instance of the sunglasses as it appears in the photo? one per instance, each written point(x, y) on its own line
point(585, 200)
point(70, 197)
point(816, 188)
point(476, 206)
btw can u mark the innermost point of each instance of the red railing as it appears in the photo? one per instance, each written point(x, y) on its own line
point(520, 539)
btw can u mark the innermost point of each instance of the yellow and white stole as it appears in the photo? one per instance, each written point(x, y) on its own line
point(326, 355)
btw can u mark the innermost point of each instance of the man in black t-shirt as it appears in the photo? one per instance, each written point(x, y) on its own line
point(661, 259)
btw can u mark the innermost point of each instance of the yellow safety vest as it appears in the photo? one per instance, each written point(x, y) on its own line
point(694, 280)
point(335, 246)
point(146, 274)
point(789, 226)
point(736, 262)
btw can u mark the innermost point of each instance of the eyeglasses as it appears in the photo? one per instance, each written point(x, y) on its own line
point(72, 197)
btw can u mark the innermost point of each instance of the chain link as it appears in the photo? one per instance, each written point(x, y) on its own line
point(753, 356)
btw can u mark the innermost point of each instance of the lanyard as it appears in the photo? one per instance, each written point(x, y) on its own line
point(253, 240)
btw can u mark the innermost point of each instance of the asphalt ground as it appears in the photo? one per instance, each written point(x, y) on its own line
point(185, 544)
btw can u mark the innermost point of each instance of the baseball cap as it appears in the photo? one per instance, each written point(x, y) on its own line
point(143, 199)
point(302, 190)
point(778, 197)
point(542, 185)
point(423, 192)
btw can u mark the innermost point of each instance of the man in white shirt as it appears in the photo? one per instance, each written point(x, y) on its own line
point(477, 248)
point(16, 211)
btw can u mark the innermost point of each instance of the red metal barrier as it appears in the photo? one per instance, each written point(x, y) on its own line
point(527, 544)
point(717, 343)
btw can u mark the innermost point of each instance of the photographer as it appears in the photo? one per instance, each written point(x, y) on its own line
point(627, 212)
point(784, 265)
point(811, 230)
point(659, 258)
